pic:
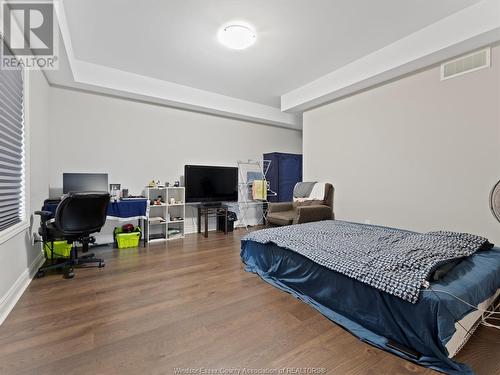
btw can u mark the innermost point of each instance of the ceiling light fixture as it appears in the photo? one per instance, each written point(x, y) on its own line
point(237, 36)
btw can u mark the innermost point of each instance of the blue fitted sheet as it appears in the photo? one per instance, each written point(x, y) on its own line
point(375, 316)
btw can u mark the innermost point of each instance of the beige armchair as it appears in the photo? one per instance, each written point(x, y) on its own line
point(287, 213)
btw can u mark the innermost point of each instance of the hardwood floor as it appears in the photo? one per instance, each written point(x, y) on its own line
point(187, 304)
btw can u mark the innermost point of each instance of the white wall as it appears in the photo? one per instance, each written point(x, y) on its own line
point(18, 258)
point(136, 142)
point(416, 153)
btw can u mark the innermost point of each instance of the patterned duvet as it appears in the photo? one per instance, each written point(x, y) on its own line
point(393, 260)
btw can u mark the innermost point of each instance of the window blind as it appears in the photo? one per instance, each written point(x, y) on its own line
point(11, 148)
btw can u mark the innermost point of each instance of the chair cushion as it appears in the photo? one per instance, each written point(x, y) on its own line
point(281, 218)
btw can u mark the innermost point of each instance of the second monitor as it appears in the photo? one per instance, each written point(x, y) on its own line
point(79, 182)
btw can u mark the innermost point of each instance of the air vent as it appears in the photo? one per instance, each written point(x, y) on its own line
point(466, 64)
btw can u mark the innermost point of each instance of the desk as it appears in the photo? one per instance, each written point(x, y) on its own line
point(215, 211)
point(126, 210)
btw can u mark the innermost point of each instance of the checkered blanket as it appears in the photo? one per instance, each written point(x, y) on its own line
point(395, 261)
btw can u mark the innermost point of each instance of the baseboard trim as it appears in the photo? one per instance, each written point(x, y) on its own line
point(9, 300)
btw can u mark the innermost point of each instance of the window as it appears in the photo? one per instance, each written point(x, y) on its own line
point(12, 200)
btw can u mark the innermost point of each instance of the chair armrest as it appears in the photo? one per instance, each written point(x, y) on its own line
point(280, 207)
point(306, 214)
point(44, 215)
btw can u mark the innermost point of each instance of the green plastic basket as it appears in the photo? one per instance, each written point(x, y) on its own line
point(62, 249)
point(127, 240)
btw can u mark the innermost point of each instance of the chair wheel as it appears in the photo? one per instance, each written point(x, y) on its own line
point(69, 274)
point(40, 274)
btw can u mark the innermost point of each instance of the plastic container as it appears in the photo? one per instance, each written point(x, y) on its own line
point(127, 240)
point(62, 249)
point(231, 218)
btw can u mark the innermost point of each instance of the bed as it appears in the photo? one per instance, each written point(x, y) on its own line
point(436, 326)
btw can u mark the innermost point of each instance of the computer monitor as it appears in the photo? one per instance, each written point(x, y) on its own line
point(79, 182)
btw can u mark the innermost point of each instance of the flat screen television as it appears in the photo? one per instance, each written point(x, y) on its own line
point(211, 184)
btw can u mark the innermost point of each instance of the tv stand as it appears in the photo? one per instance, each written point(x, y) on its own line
point(211, 204)
point(211, 211)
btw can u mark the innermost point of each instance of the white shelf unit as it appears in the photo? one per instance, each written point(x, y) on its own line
point(165, 218)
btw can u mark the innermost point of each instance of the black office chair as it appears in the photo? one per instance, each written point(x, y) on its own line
point(76, 217)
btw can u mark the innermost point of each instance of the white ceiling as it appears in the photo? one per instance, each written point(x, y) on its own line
point(166, 51)
point(298, 40)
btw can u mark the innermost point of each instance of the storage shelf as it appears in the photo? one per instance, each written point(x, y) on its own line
point(176, 237)
point(166, 205)
point(157, 239)
point(158, 230)
point(157, 222)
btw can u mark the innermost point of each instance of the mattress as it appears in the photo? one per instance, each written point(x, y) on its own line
point(429, 326)
point(465, 327)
